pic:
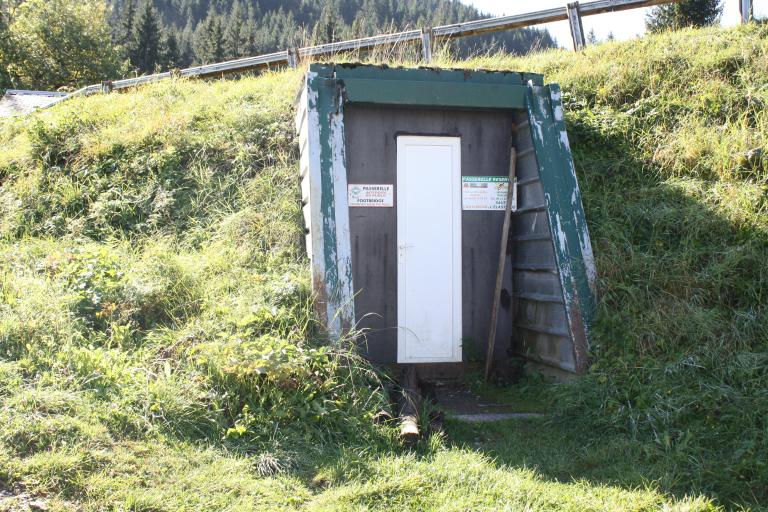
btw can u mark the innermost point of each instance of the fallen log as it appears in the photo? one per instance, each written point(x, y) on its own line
point(410, 400)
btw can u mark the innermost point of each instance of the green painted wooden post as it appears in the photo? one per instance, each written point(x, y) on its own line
point(332, 259)
point(573, 249)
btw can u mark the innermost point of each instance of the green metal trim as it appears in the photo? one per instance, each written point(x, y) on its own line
point(434, 94)
point(321, 70)
point(572, 246)
point(477, 76)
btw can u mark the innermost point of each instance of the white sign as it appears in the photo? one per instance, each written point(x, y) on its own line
point(370, 196)
point(485, 193)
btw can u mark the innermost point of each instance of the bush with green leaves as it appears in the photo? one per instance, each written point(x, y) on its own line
point(58, 43)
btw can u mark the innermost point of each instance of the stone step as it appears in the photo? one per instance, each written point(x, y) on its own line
point(487, 417)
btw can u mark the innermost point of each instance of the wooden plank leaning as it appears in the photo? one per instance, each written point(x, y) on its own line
point(502, 260)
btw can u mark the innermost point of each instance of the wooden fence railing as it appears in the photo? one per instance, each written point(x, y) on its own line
point(572, 12)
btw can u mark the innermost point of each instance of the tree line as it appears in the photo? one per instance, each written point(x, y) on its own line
point(49, 44)
point(181, 33)
point(54, 43)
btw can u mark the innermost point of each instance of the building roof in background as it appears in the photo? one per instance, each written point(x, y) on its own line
point(17, 102)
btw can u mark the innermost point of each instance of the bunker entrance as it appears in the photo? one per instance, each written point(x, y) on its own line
point(405, 174)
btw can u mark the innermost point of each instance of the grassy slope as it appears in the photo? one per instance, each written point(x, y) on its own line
point(670, 137)
point(157, 349)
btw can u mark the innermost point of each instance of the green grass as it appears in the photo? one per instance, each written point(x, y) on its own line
point(670, 138)
point(159, 350)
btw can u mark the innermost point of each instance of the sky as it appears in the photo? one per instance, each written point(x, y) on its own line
point(624, 25)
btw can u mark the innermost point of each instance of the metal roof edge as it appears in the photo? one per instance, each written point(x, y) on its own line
point(384, 72)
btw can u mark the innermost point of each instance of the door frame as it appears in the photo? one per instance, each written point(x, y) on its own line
point(456, 233)
point(328, 88)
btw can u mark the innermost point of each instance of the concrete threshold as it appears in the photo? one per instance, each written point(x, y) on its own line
point(488, 417)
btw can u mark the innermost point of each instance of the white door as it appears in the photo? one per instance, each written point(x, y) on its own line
point(429, 249)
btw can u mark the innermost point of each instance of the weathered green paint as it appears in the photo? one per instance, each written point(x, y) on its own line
point(324, 98)
point(565, 212)
point(344, 71)
point(585, 265)
point(431, 75)
point(421, 93)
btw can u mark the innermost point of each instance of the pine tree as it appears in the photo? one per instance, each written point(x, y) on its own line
point(329, 26)
point(146, 38)
point(690, 13)
point(251, 29)
point(187, 53)
point(171, 53)
point(591, 36)
point(127, 17)
point(235, 37)
point(217, 41)
point(209, 39)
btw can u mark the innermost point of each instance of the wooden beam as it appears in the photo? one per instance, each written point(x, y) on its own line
point(426, 44)
point(567, 222)
point(746, 10)
point(502, 261)
point(442, 94)
point(574, 22)
point(410, 400)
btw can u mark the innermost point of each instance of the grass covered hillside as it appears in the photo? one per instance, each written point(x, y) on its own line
point(670, 138)
point(158, 350)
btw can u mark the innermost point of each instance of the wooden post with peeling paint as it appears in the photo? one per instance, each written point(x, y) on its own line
point(292, 58)
point(746, 10)
point(574, 22)
point(426, 44)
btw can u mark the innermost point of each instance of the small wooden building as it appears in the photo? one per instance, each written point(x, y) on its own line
point(402, 171)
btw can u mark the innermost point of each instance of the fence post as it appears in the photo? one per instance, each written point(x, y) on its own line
point(426, 44)
point(745, 8)
point(577, 30)
point(106, 86)
point(292, 57)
